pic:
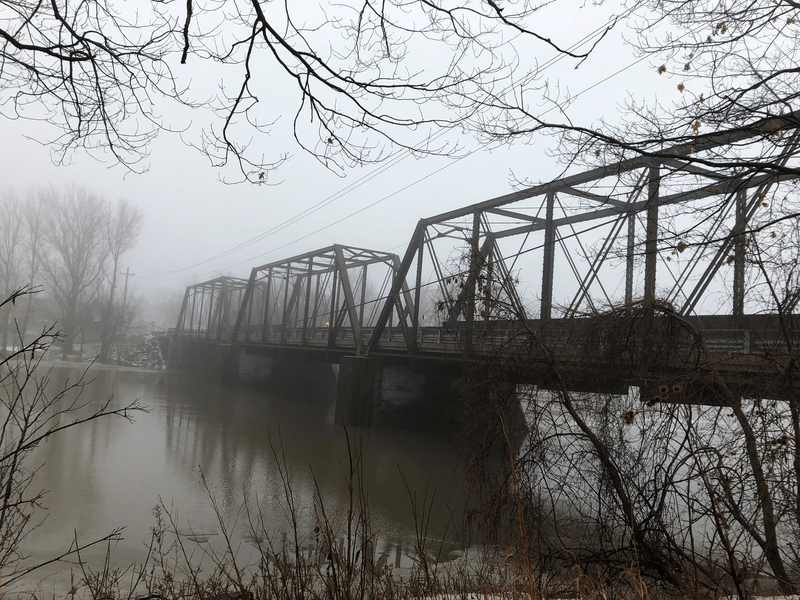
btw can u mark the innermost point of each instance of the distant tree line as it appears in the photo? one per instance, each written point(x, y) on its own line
point(70, 243)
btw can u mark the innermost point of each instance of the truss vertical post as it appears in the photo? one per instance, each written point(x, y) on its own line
point(199, 306)
point(472, 281)
point(285, 311)
point(363, 294)
point(738, 256)
point(417, 297)
point(180, 325)
point(651, 239)
point(316, 303)
point(212, 309)
point(247, 302)
point(307, 278)
point(393, 305)
point(267, 301)
point(548, 263)
point(629, 256)
point(225, 313)
point(487, 295)
point(246, 305)
point(194, 305)
point(332, 331)
point(291, 311)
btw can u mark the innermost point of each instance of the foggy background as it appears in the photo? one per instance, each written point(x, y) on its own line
point(192, 216)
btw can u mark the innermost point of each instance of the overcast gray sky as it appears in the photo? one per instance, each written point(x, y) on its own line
point(191, 216)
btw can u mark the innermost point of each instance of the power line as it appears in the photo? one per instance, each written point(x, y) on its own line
point(450, 164)
point(391, 162)
point(360, 210)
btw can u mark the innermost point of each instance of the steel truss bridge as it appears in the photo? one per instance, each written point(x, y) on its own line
point(662, 228)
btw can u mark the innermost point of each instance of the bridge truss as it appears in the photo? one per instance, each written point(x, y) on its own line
point(650, 228)
point(210, 308)
point(653, 228)
point(327, 298)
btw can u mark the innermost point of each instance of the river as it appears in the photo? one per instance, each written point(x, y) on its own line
point(110, 473)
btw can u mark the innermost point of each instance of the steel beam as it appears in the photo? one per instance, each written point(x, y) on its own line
point(472, 282)
point(224, 310)
point(397, 285)
point(267, 306)
point(629, 258)
point(284, 313)
point(763, 186)
point(363, 300)
point(464, 296)
point(417, 298)
point(634, 207)
point(739, 254)
point(212, 307)
point(594, 269)
point(548, 262)
point(307, 279)
point(651, 236)
point(179, 326)
point(194, 305)
point(684, 151)
point(332, 330)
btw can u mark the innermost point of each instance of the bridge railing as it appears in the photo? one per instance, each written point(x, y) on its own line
point(484, 340)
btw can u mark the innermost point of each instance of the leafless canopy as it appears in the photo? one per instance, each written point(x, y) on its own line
point(367, 77)
point(730, 65)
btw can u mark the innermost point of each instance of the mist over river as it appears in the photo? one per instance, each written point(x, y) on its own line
point(110, 473)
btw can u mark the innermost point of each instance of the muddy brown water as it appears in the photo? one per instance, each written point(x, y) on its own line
point(110, 473)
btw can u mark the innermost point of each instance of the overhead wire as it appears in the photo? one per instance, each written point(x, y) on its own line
point(404, 188)
point(395, 159)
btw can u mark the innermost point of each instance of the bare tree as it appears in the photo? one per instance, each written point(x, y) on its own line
point(122, 230)
point(76, 251)
point(734, 69)
point(88, 68)
point(32, 412)
point(365, 77)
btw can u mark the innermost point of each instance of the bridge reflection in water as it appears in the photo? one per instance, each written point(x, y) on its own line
point(461, 294)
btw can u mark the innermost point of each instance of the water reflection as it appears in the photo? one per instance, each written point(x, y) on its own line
point(110, 474)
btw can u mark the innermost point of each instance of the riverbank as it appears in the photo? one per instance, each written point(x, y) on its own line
point(140, 355)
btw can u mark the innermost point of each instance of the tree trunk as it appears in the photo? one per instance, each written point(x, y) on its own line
point(26, 318)
point(4, 328)
point(108, 327)
point(69, 325)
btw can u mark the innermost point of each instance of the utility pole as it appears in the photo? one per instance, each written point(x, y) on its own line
point(128, 275)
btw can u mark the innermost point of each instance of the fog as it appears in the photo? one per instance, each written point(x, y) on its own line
point(192, 217)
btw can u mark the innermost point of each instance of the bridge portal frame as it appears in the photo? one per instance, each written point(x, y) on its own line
point(208, 307)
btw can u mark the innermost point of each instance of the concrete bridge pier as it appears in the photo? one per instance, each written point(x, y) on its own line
point(451, 400)
point(358, 390)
